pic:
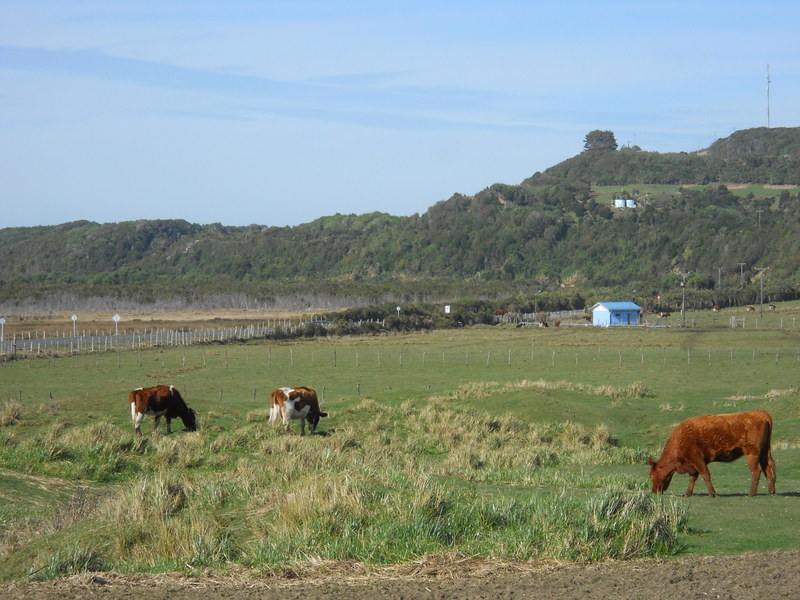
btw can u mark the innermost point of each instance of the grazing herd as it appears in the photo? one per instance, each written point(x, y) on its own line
point(693, 444)
point(166, 401)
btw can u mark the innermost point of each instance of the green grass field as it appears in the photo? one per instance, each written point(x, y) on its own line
point(489, 441)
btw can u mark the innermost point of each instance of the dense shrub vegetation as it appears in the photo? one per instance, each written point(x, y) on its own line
point(551, 231)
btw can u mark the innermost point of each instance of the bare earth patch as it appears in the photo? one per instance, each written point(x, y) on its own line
point(743, 577)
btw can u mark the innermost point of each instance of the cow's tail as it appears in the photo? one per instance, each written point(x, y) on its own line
point(765, 459)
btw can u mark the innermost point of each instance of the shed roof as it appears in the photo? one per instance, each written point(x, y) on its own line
point(609, 306)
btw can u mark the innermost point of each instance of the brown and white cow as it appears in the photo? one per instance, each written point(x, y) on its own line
point(160, 401)
point(716, 438)
point(299, 402)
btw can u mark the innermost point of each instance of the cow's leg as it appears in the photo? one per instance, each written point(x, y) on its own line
point(692, 479)
point(137, 423)
point(754, 463)
point(274, 411)
point(169, 423)
point(758, 464)
point(706, 474)
point(136, 429)
point(156, 421)
point(288, 409)
point(302, 426)
point(769, 472)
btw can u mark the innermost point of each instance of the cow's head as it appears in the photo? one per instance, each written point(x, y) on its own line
point(190, 420)
point(314, 417)
point(659, 476)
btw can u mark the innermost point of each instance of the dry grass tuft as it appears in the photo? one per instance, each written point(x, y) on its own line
point(10, 413)
point(480, 390)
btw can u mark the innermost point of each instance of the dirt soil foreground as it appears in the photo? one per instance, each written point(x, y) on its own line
point(771, 576)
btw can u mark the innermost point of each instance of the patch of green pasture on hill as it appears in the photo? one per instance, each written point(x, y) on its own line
point(607, 193)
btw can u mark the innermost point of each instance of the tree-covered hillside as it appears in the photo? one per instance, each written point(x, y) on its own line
point(551, 231)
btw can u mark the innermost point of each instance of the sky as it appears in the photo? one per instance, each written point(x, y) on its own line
point(280, 112)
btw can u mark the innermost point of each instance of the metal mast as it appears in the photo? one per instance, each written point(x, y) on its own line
point(768, 82)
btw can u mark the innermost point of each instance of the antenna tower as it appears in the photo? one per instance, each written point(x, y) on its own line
point(768, 82)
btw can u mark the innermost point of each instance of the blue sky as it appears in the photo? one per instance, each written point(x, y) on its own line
point(280, 112)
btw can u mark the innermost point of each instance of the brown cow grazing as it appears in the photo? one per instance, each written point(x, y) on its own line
point(716, 438)
point(160, 401)
point(299, 402)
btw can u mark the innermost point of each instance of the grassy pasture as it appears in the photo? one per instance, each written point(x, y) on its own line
point(608, 193)
point(491, 441)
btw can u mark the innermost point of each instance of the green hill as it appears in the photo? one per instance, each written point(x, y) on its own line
point(556, 229)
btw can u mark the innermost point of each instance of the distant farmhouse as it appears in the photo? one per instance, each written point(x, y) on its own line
point(611, 314)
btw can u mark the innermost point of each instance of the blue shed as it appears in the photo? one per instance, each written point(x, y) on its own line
point(609, 314)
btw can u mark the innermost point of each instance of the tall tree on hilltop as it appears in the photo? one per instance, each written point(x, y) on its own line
point(600, 140)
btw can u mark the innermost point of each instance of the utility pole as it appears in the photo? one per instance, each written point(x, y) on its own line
point(741, 274)
point(719, 277)
point(683, 304)
point(761, 276)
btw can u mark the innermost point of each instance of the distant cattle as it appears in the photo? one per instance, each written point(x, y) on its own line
point(300, 402)
point(716, 438)
point(771, 306)
point(663, 315)
point(716, 308)
point(750, 309)
point(160, 401)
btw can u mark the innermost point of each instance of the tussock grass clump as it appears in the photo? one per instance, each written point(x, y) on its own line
point(489, 448)
point(169, 520)
point(71, 560)
point(10, 412)
point(259, 415)
point(188, 451)
point(368, 520)
point(480, 390)
point(770, 395)
point(614, 525)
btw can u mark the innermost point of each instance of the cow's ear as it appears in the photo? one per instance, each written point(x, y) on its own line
point(651, 462)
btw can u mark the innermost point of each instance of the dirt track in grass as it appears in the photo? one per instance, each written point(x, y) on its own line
point(745, 577)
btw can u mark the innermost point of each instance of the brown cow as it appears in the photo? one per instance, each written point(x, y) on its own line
point(160, 401)
point(299, 402)
point(716, 438)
